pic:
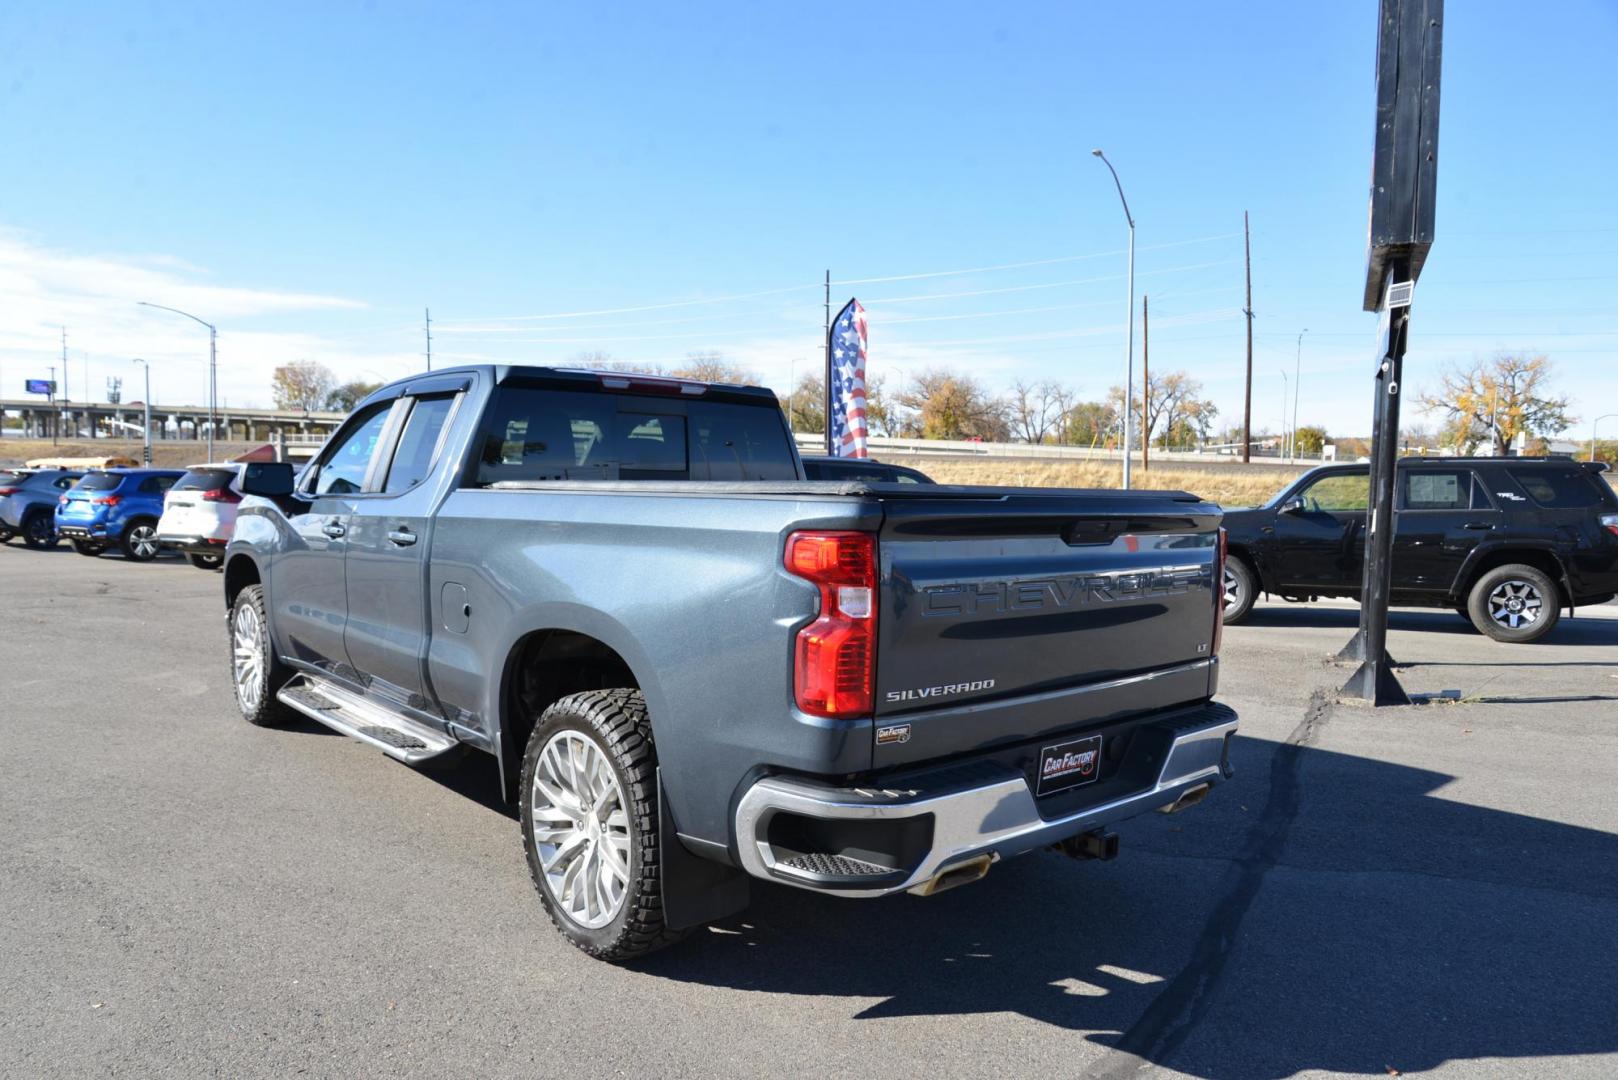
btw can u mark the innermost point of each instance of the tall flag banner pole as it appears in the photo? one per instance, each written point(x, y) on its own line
point(825, 387)
point(845, 383)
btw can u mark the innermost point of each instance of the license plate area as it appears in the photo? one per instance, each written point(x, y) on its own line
point(1066, 765)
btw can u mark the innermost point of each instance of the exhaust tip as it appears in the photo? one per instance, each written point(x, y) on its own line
point(1188, 797)
point(962, 873)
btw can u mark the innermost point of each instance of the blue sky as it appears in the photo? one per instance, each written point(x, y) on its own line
point(311, 176)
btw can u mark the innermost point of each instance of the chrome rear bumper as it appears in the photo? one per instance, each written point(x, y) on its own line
point(979, 808)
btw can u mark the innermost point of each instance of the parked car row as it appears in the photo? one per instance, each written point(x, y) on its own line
point(139, 512)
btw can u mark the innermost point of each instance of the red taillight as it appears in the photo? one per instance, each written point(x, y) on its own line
point(1219, 594)
point(7, 491)
point(221, 495)
point(1608, 521)
point(834, 660)
point(107, 500)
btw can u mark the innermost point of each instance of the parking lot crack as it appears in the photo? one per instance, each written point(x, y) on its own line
point(1166, 1023)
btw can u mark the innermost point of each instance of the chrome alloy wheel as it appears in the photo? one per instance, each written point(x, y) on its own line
point(1515, 603)
point(143, 539)
point(581, 829)
point(1233, 586)
point(247, 656)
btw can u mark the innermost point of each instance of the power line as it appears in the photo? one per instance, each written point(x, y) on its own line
point(1036, 262)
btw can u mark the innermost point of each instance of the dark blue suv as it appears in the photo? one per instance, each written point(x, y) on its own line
point(115, 507)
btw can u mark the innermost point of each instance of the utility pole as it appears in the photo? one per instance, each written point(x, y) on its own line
point(51, 400)
point(1297, 381)
point(429, 328)
point(146, 408)
point(1145, 386)
point(827, 424)
point(1247, 398)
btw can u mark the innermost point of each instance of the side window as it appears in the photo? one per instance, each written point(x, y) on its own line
point(1557, 487)
point(1339, 493)
point(1431, 489)
point(342, 470)
point(156, 485)
point(420, 439)
point(64, 482)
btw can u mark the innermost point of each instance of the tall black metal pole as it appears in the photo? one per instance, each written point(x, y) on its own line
point(1374, 680)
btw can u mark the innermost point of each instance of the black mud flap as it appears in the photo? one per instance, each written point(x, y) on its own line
point(696, 891)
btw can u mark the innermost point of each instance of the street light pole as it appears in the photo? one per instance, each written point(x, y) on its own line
point(213, 363)
point(1286, 450)
point(1129, 363)
point(1297, 381)
point(1593, 424)
point(146, 423)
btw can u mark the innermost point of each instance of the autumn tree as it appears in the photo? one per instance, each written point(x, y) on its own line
point(1311, 440)
point(807, 405)
point(302, 384)
point(1176, 413)
point(954, 406)
point(343, 398)
point(1496, 400)
point(880, 408)
point(1090, 423)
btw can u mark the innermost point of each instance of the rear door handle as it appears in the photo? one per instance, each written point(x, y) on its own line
point(1481, 525)
point(333, 529)
point(402, 537)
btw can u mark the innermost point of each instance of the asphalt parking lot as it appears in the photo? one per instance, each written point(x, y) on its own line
point(1426, 889)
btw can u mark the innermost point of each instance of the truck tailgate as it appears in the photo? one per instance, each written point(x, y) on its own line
point(1004, 596)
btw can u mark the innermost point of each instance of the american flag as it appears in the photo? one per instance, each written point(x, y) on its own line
point(845, 390)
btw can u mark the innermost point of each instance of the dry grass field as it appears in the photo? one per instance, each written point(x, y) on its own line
point(1226, 483)
point(166, 454)
point(1230, 484)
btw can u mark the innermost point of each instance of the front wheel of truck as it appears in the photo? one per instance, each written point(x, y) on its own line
point(589, 823)
point(255, 673)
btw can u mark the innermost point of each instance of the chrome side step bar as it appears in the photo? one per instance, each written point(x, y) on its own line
point(361, 718)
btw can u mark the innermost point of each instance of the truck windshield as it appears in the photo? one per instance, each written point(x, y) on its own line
point(540, 434)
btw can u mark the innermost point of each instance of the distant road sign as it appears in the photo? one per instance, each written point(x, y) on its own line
point(41, 386)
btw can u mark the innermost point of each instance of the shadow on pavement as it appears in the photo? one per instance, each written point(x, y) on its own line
point(1360, 922)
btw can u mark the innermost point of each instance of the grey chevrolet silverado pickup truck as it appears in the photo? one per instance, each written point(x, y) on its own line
point(696, 668)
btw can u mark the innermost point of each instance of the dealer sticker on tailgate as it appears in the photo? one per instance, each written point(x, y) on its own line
point(1069, 765)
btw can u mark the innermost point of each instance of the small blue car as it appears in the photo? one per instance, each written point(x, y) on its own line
point(28, 500)
point(116, 507)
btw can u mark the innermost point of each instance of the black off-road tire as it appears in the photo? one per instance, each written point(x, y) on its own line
point(132, 547)
point(1518, 577)
point(1245, 582)
point(263, 709)
point(617, 722)
point(206, 562)
point(88, 547)
point(39, 531)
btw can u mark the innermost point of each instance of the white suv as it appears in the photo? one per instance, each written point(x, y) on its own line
point(199, 513)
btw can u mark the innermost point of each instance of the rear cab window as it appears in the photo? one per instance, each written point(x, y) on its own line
point(97, 481)
point(537, 433)
point(1560, 487)
point(205, 480)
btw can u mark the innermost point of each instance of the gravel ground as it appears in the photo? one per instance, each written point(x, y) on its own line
point(1423, 889)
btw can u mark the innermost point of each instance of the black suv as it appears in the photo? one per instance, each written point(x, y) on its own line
point(1506, 542)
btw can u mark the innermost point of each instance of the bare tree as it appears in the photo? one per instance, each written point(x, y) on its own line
point(712, 367)
point(1036, 410)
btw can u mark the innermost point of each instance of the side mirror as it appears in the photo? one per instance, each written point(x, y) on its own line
point(1294, 505)
point(271, 479)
